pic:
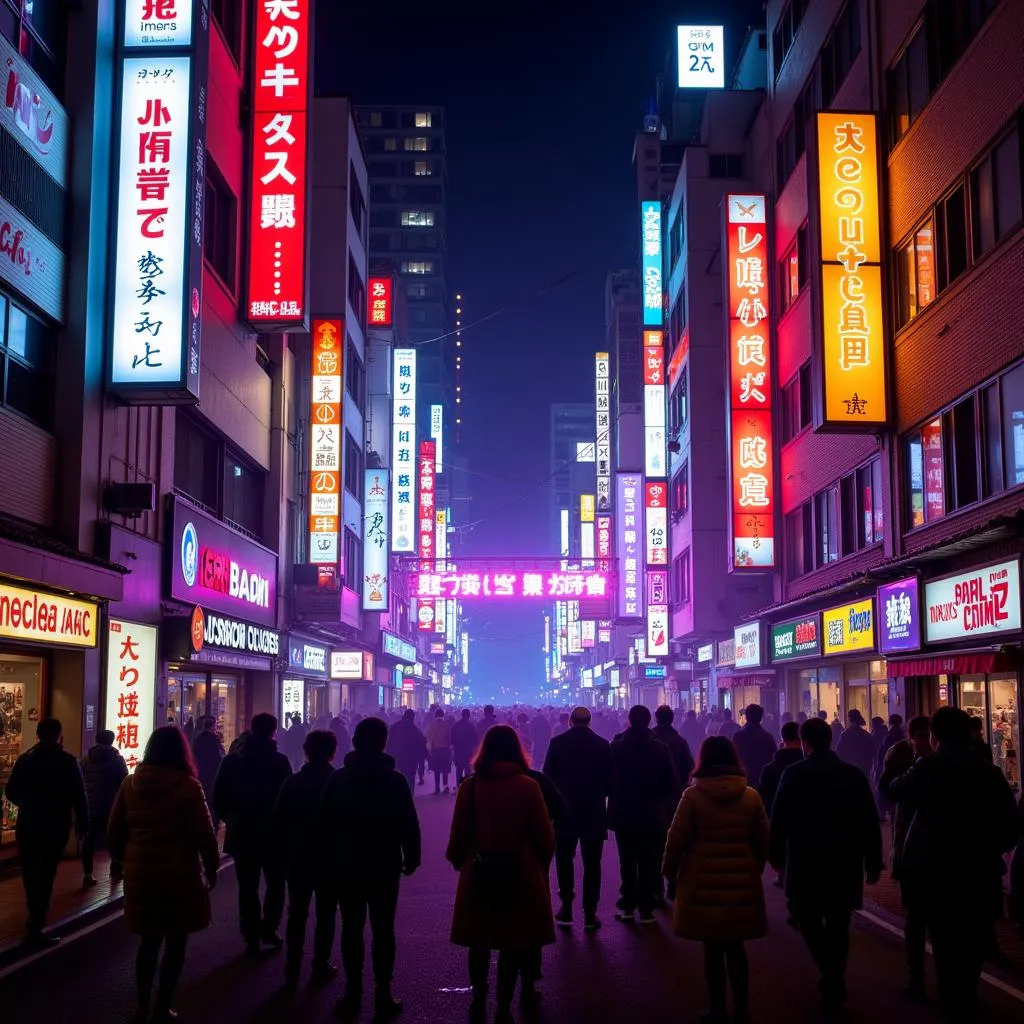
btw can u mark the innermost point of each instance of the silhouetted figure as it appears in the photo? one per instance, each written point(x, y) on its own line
point(103, 771)
point(856, 745)
point(408, 746)
point(439, 749)
point(791, 752)
point(208, 752)
point(464, 744)
point(754, 744)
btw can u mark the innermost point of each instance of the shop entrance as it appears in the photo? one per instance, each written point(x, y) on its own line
point(22, 695)
point(191, 695)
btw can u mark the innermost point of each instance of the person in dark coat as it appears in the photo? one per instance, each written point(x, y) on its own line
point(341, 735)
point(754, 744)
point(826, 837)
point(678, 748)
point(540, 737)
point(978, 743)
point(47, 788)
point(486, 722)
point(297, 824)
point(727, 727)
point(408, 746)
point(856, 745)
point(965, 821)
point(693, 731)
point(464, 744)
point(896, 734)
point(791, 752)
point(373, 838)
point(1017, 875)
point(579, 764)
point(244, 795)
point(639, 813)
point(103, 771)
point(208, 752)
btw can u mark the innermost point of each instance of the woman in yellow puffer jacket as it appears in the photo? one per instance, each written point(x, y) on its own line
point(716, 852)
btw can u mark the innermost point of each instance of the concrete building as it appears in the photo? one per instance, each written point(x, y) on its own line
point(572, 468)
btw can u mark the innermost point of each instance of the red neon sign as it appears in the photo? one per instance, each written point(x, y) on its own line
point(752, 508)
point(654, 358)
point(427, 525)
point(378, 311)
point(276, 292)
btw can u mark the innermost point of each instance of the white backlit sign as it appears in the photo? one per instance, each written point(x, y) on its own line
point(375, 540)
point(346, 664)
point(149, 24)
point(131, 687)
point(403, 452)
point(437, 435)
point(701, 57)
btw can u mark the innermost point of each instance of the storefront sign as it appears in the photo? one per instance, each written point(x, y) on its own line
point(427, 527)
point(654, 671)
point(396, 647)
point(212, 630)
point(378, 312)
point(158, 23)
point(800, 638)
point(748, 645)
point(853, 353)
point(977, 603)
point(131, 687)
point(848, 628)
point(588, 634)
point(277, 286)
point(307, 657)
point(656, 522)
point(701, 56)
point(899, 616)
point(705, 653)
point(403, 451)
point(375, 540)
point(629, 521)
point(325, 436)
point(657, 613)
point(50, 618)
point(346, 664)
point(29, 262)
point(539, 584)
point(655, 451)
point(292, 698)
point(726, 653)
point(650, 228)
point(223, 570)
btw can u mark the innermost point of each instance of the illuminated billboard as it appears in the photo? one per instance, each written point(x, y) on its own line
point(586, 508)
point(629, 520)
point(378, 302)
point(437, 435)
point(853, 352)
point(701, 57)
point(651, 262)
point(751, 448)
point(403, 451)
point(542, 583)
point(656, 522)
point(655, 443)
point(375, 540)
point(325, 437)
point(657, 613)
point(603, 431)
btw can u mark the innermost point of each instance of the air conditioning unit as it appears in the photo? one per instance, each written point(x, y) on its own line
point(129, 500)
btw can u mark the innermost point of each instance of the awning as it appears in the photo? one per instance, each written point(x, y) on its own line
point(961, 663)
point(746, 679)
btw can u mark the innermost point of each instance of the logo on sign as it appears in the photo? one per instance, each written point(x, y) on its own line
point(189, 554)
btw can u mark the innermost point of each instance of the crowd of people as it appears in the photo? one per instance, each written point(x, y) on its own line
point(698, 813)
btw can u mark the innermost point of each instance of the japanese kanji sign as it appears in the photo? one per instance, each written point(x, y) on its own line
point(276, 293)
point(131, 687)
point(427, 507)
point(603, 431)
point(656, 521)
point(657, 613)
point(629, 518)
point(326, 430)
point(651, 260)
point(752, 508)
point(853, 354)
point(542, 584)
point(378, 302)
point(159, 195)
point(403, 451)
point(655, 452)
point(375, 540)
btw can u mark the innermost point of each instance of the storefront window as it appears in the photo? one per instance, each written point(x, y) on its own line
point(186, 699)
point(224, 707)
point(972, 698)
point(21, 694)
point(1004, 733)
point(317, 702)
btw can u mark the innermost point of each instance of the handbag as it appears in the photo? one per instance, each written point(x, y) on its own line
point(493, 873)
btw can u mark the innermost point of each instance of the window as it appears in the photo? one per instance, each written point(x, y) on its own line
point(417, 218)
point(826, 526)
point(38, 30)
point(375, 119)
point(356, 203)
point(839, 52)
point(799, 555)
point(1012, 415)
point(419, 144)
point(927, 475)
point(219, 225)
point(391, 144)
point(227, 17)
point(954, 24)
point(243, 495)
point(952, 216)
point(355, 376)
point(423, 120)
point(356, 292)
point(915, 272)
point(725, 165)
point(422, 169)
point(785, 31)
point(678, 406)
point(196, 463)
point(907, 86)
point(793, 269)
point(863, 520)
point(680, 493)
point(353, 467)
point(680, 591)
point(796, 404)
point(353, 564)
point(996, 194)
point(417, 266)
point(28, 350)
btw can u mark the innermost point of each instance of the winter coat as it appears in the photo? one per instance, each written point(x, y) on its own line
point(557, 808)
point(297, 820)
point(507, 817)
point(857, 747)
point(246, 791)
point(694, 734)
point(484, 724)
point(899, 759)
point(464, 741)
point(756, 747)
point(369, 819)
point(47, 788)
point(160, 832)
point(825, 832)
point(208, 752)
point(716, 850)
point(644, 783)
point(682, 758)
point(540, 738)
point(772, 774)
point(728, 728)
point(103, 770)
point(1017, 870)
point(438, 735)
point(579, 763)
point(407, 745)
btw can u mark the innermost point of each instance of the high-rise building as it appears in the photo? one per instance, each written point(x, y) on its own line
point(572, 466)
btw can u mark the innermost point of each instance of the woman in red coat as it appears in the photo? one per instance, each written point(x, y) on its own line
point(162, 841)
point(501, 844)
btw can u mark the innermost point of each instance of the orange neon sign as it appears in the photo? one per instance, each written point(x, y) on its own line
point(325, 429)
point(853, 338)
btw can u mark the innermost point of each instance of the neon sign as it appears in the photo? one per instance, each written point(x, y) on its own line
point(568, 584)
point(379, 302)
point(650, 226)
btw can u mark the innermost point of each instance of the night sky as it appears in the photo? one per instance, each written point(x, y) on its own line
point(542, 106)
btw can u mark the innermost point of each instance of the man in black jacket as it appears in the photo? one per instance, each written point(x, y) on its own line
point(639, 813)
point(678, 748)
point(297, 822)
point(408, 746)
point(791, 752)
point(754, 744)
point(825, 835)
point(373, 838)
point(244, 795)
point(579, 763)
point(103, 770)
point(46, 786)
point(464, 744)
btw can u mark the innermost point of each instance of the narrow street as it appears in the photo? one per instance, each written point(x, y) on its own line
point(622, 974)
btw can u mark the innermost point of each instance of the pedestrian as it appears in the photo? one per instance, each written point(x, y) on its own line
point(341, 735)
point(540, 737)
point(408, 746)
point(464, 744)
point(791, 752)
point(439, 750)
point(486, 722)
point(978, 743)
point(501, 844)
point(727, 727)
point(1017, 875)
point(103, 771)
point(579, 764)
point(245, 794)
point(298, 828)
point(896, 734)
point(46, 786)
point(163, 845)
point(836, 726)
point(678, 748)
point(639, 813)
point(208, 752)
point(693, 731)
point(878, 733)
point(856, 745)
point(716, 852)
point(561, 726)
point(825, 837)
point(964, 822)
point(754, 744)
point(373, 838)
point(899, 760)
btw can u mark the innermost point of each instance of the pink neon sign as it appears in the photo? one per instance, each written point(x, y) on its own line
point(508, 584)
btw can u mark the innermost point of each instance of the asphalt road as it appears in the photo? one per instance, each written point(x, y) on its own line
point(622, 974)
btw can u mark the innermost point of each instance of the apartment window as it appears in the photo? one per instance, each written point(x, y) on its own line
point(826, 526)
point(680, 593)
point(952, 218)
point(678, 406)
point(376, 121)
point(680, 492)
point(915, 272)
point(391, 144)
point(219, 225)
point(417, 266)
point(38, 30)
point(353, 564)
point(227, 17)
point(356, 292)
point(356, 203)
point(196, 463)
point(1012, 415)
point(839, 52)
point(796, 404)
point(785, 31)
point(243, 495)
point(423, 120)
point(27, 351)
point(954, 24)
point(863, 520)
point(417, 218)
point(799, 553)
point(793, 269)
point(355, 376)
point(926, 470)
point(353, 467)
point(908, 86)
point(417, 144)
point(422, 169)
point(725, 165)
point(996, 193)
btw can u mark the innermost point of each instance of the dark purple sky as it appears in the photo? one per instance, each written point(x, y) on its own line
point(542, 109)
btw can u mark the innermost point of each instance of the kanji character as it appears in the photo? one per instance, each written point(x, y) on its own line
point(750, 274)
point(848, 136)
point(285, 37)
point(750, 387)
point(152, 183)
point(277, 211)
point(128, 705)
point(148, 357)
point(754, 491)
point(128, 736)
point(155, 113)
point(282, 8)
point(750, 350)
point(149, 265)
point(753, 452)
point(148, 291)
point(279, 78)
point(159, 10)
point(533, 584)
point(154, 147)
point(145, 324)
point(750, 312)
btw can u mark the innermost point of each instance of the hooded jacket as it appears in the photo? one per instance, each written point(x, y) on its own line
point(369, 819)
point(716, 850)
point(103, 769)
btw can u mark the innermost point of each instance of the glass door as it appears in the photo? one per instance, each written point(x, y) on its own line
point(225, 708)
